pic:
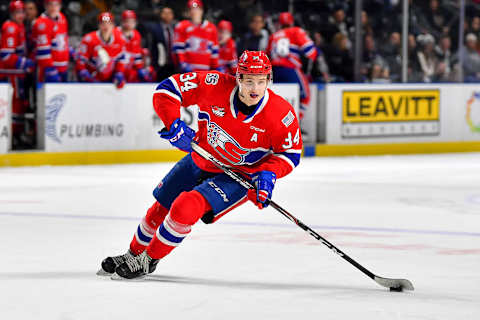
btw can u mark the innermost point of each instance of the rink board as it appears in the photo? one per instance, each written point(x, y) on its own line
point(441, 118)
point(149, 156)
point(359, 114)
point(104, 118)
point(5, 118)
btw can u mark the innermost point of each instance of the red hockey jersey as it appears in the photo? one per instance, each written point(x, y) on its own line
point(133, 51)
point(287, 45)
point(50, 37)
point(12, 44)
point(268, 139)
point(102, 59)
point(196, 45)
point(227, 57)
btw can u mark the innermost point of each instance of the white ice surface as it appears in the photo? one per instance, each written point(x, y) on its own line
point(414, 217)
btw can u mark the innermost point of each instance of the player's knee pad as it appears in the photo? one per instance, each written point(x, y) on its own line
point(189, 207)
point(155, 215)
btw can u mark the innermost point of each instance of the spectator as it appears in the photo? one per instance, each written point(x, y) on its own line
point(446, 59)
point(228, 51)
point(161, 43)
point(379, 74)
point(414, 74)
point(475, 26)
point(393, 56)
point(471, 59)
point(429, 64)
point(370, 56)
point(257, 38)
point(196, 41)
point(285, 48)
point(436, 20)
point(337, 23)
point(135, 69)
point(240, 13)
point(50, 35)
point(339, 59)
point(366, 25)
point(320, 72)
point(101, 55)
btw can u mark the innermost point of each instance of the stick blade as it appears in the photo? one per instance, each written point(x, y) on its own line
point(400, 284)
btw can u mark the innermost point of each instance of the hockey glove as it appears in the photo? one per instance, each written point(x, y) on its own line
point(85, 76)
point(119, 80)
point(180, 135)
point(25, 64)
point(51, 74)
point(144, 75)
point(264, 182)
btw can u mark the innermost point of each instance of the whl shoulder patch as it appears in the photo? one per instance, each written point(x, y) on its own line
point(288, 119)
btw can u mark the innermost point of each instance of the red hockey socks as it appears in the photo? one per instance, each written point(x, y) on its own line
point(146, 229)
point(186, 210)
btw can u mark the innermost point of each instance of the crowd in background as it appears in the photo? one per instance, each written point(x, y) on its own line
point(433, 33)
point(433, 38)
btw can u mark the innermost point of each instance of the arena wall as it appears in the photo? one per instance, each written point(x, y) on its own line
point(98, 124)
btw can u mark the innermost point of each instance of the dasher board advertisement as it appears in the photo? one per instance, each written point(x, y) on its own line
point(5, 119)
point(95, 117)
point(384, 113)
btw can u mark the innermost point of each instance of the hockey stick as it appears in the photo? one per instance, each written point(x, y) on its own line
point(393, 284)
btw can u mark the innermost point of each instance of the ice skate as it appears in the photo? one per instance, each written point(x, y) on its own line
point(109, 264)
point(135, 267)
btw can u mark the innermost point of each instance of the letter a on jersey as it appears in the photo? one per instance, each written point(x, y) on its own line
point(254, 137)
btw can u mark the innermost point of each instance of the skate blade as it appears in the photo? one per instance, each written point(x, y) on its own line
point(103, 273)
point(116, 277)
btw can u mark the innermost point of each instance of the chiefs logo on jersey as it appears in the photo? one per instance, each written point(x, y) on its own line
point(225, 145)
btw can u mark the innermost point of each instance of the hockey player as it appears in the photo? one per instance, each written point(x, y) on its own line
point(135, 70)
point(101, 55)
point(243, 124)
point(13, 58)
point(147, 64)
point(285, 48)
point(227, 53)
point(50, 37)
point(195, 41)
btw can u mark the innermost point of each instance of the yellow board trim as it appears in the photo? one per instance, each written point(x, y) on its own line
point(40, 158)
point(324, 150)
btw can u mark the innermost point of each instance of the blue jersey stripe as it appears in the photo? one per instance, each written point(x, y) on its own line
point(178, 47)
point(307, 48)
point(294, 157)
point(42, 52)
point(255, 156)
point(168, 236)
point(143, 237)
point(168, 85)
point(295, 50)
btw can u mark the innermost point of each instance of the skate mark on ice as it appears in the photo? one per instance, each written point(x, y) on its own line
point(256, 285)
point(248, 224)
point(47, 275)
